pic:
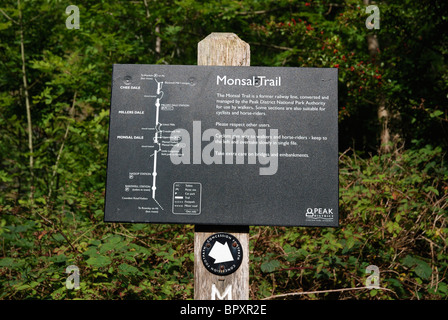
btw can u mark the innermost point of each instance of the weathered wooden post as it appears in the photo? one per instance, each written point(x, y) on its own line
point(222, 49)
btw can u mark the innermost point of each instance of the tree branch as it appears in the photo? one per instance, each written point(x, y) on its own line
point(55, 168)
point(8, 17)
point(27, 99)
point(272, 46)
point(322, 291)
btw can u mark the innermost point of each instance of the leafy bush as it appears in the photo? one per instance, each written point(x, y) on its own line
point(394, 211)
point(393, 215)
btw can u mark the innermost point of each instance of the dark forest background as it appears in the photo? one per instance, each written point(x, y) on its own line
point(393, 133)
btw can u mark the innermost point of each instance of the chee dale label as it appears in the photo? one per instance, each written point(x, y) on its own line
point(218, 145)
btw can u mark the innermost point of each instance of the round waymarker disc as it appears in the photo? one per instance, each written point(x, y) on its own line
point(221, 253)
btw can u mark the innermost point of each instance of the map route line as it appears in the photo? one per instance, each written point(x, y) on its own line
point(156, 140)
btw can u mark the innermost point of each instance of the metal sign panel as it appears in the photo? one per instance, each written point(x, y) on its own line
point(223, 145)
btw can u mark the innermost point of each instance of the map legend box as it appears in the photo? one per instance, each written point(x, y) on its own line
point(187, 198)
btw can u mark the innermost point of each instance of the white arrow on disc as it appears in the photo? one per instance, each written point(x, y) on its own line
point(221, 252)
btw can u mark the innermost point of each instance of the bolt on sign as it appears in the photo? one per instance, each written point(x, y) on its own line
point(223, 145)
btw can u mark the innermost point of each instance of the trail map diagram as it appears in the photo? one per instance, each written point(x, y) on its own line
point(164, 138)
point(150, 144)
point(157, 137)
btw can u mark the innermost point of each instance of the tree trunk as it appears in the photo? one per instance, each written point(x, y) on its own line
point(25, 89)
point(383, 113)
point(158, 46)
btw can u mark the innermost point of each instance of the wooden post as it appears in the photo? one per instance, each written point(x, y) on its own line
point(222, 49)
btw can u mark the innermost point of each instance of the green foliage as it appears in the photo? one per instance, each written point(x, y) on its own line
point(393, 206)
point(394, 212)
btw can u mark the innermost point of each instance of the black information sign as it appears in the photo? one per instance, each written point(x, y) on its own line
point(223, 145)
point(222, 254)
